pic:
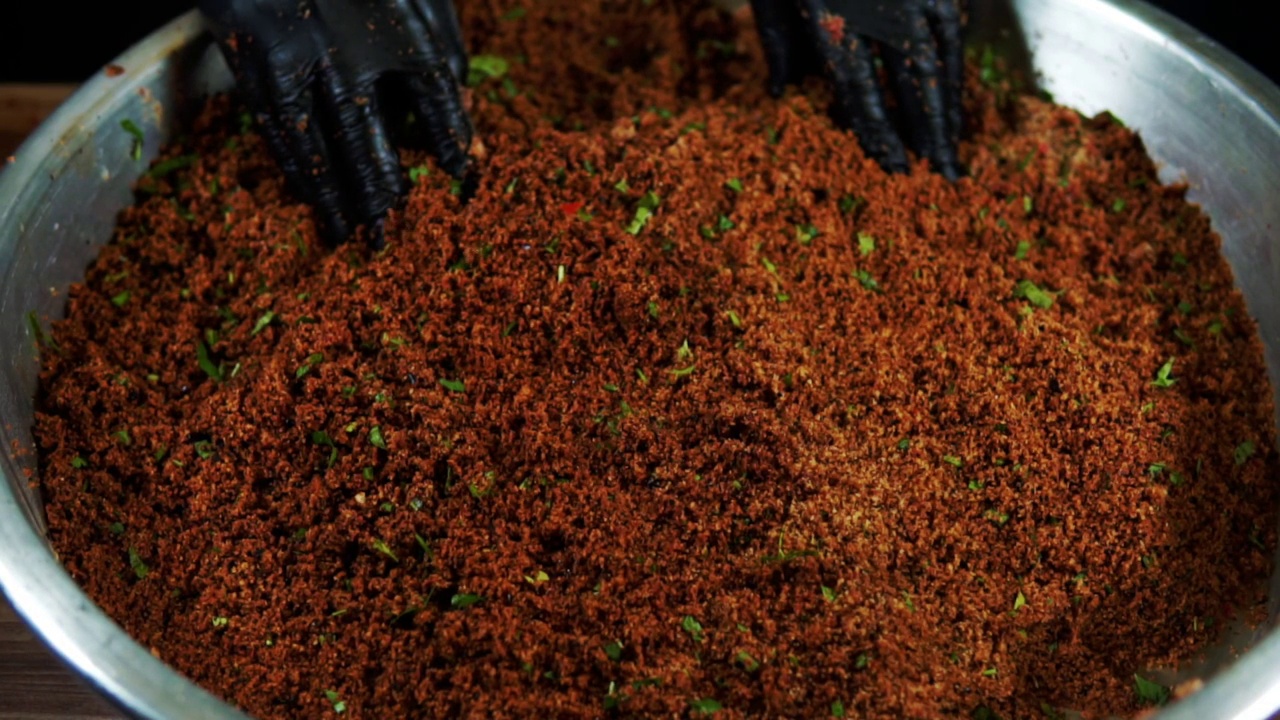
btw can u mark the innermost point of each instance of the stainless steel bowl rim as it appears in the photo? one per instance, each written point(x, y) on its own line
point(90, 642)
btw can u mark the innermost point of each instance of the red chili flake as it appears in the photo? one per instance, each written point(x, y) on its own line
point(114, 70)
point(572, 208)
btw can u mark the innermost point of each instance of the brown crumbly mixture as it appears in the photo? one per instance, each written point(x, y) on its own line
point(800, 439)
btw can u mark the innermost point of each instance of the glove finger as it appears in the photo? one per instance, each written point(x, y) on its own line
point(947, 23)
point(437, 102)
point(442, 21)
point(859, 100)
point(774, 23)
point(353, 119)
point(914, 69)
point(285, 114)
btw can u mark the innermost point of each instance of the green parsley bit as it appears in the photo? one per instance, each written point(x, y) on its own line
point(207, 365)
point(733, 318)
point(1019, 602)
point(614, 650)
point(953, 460)
point(1163, 379)
point(267, 318)
point(79, 463)
point(332, 696)
point(805, 234)
point(116, 528)
point(453, 385)
point(706, 706)
point(383, 548)
point(693, 627)
point(486, 67)
point(220, 622)
point(866, 244)
point(683, 372)
point(828, 594)
point(1020, 252)
point(376, 439)
point(644, 211)
point(837, 709)
point(749, 663)
point(419, 172)
point(868, 282)
point(312, 360)
point(120, 299)
point(734, 184)
point(139, 567)
point(1149, 692)
point(1244, 451)
point(132, 128)
point(537, 578)
point(463, 601)
point(1032, 293)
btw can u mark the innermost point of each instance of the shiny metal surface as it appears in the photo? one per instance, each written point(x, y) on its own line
point(1206, 118)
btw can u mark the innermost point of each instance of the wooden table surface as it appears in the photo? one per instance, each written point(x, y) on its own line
point(33, 682)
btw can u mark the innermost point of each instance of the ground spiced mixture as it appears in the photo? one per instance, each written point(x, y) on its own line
point(690, 409)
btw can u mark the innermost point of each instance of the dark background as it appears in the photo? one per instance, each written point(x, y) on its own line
point(60, 41)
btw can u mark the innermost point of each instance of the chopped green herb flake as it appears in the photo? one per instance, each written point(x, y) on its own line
point(453, 385)
point(1244, 451)
point(866, 244)
point(267, 318)
point(207, 365)
point(706, 706)
point(866, 280)
point(140, 568)
point(693, 627)
point(953, 460)
point(132, 128)
point(383, 548)
point(376, 439)
point(1032, 293)
point(339, 706)
point(485, 67)
point(1149, 692)
point(463, 601)
point(837, 709)
point(1163, 375)
point(311, 361)
point(644, 211)
point(1020, 253)
point(613, 650)
point(734, 184)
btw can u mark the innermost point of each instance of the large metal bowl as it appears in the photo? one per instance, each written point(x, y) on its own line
point(1205, 116)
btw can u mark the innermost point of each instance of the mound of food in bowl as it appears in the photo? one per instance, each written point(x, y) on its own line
point(689, 407)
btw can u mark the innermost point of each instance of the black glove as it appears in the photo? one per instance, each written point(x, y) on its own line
point(313, 72)
point(919, 43)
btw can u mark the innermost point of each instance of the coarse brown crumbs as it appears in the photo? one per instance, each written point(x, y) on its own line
point(690, 409)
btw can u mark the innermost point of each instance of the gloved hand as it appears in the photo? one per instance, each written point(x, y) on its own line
point(313, 72)
point(919, 43)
